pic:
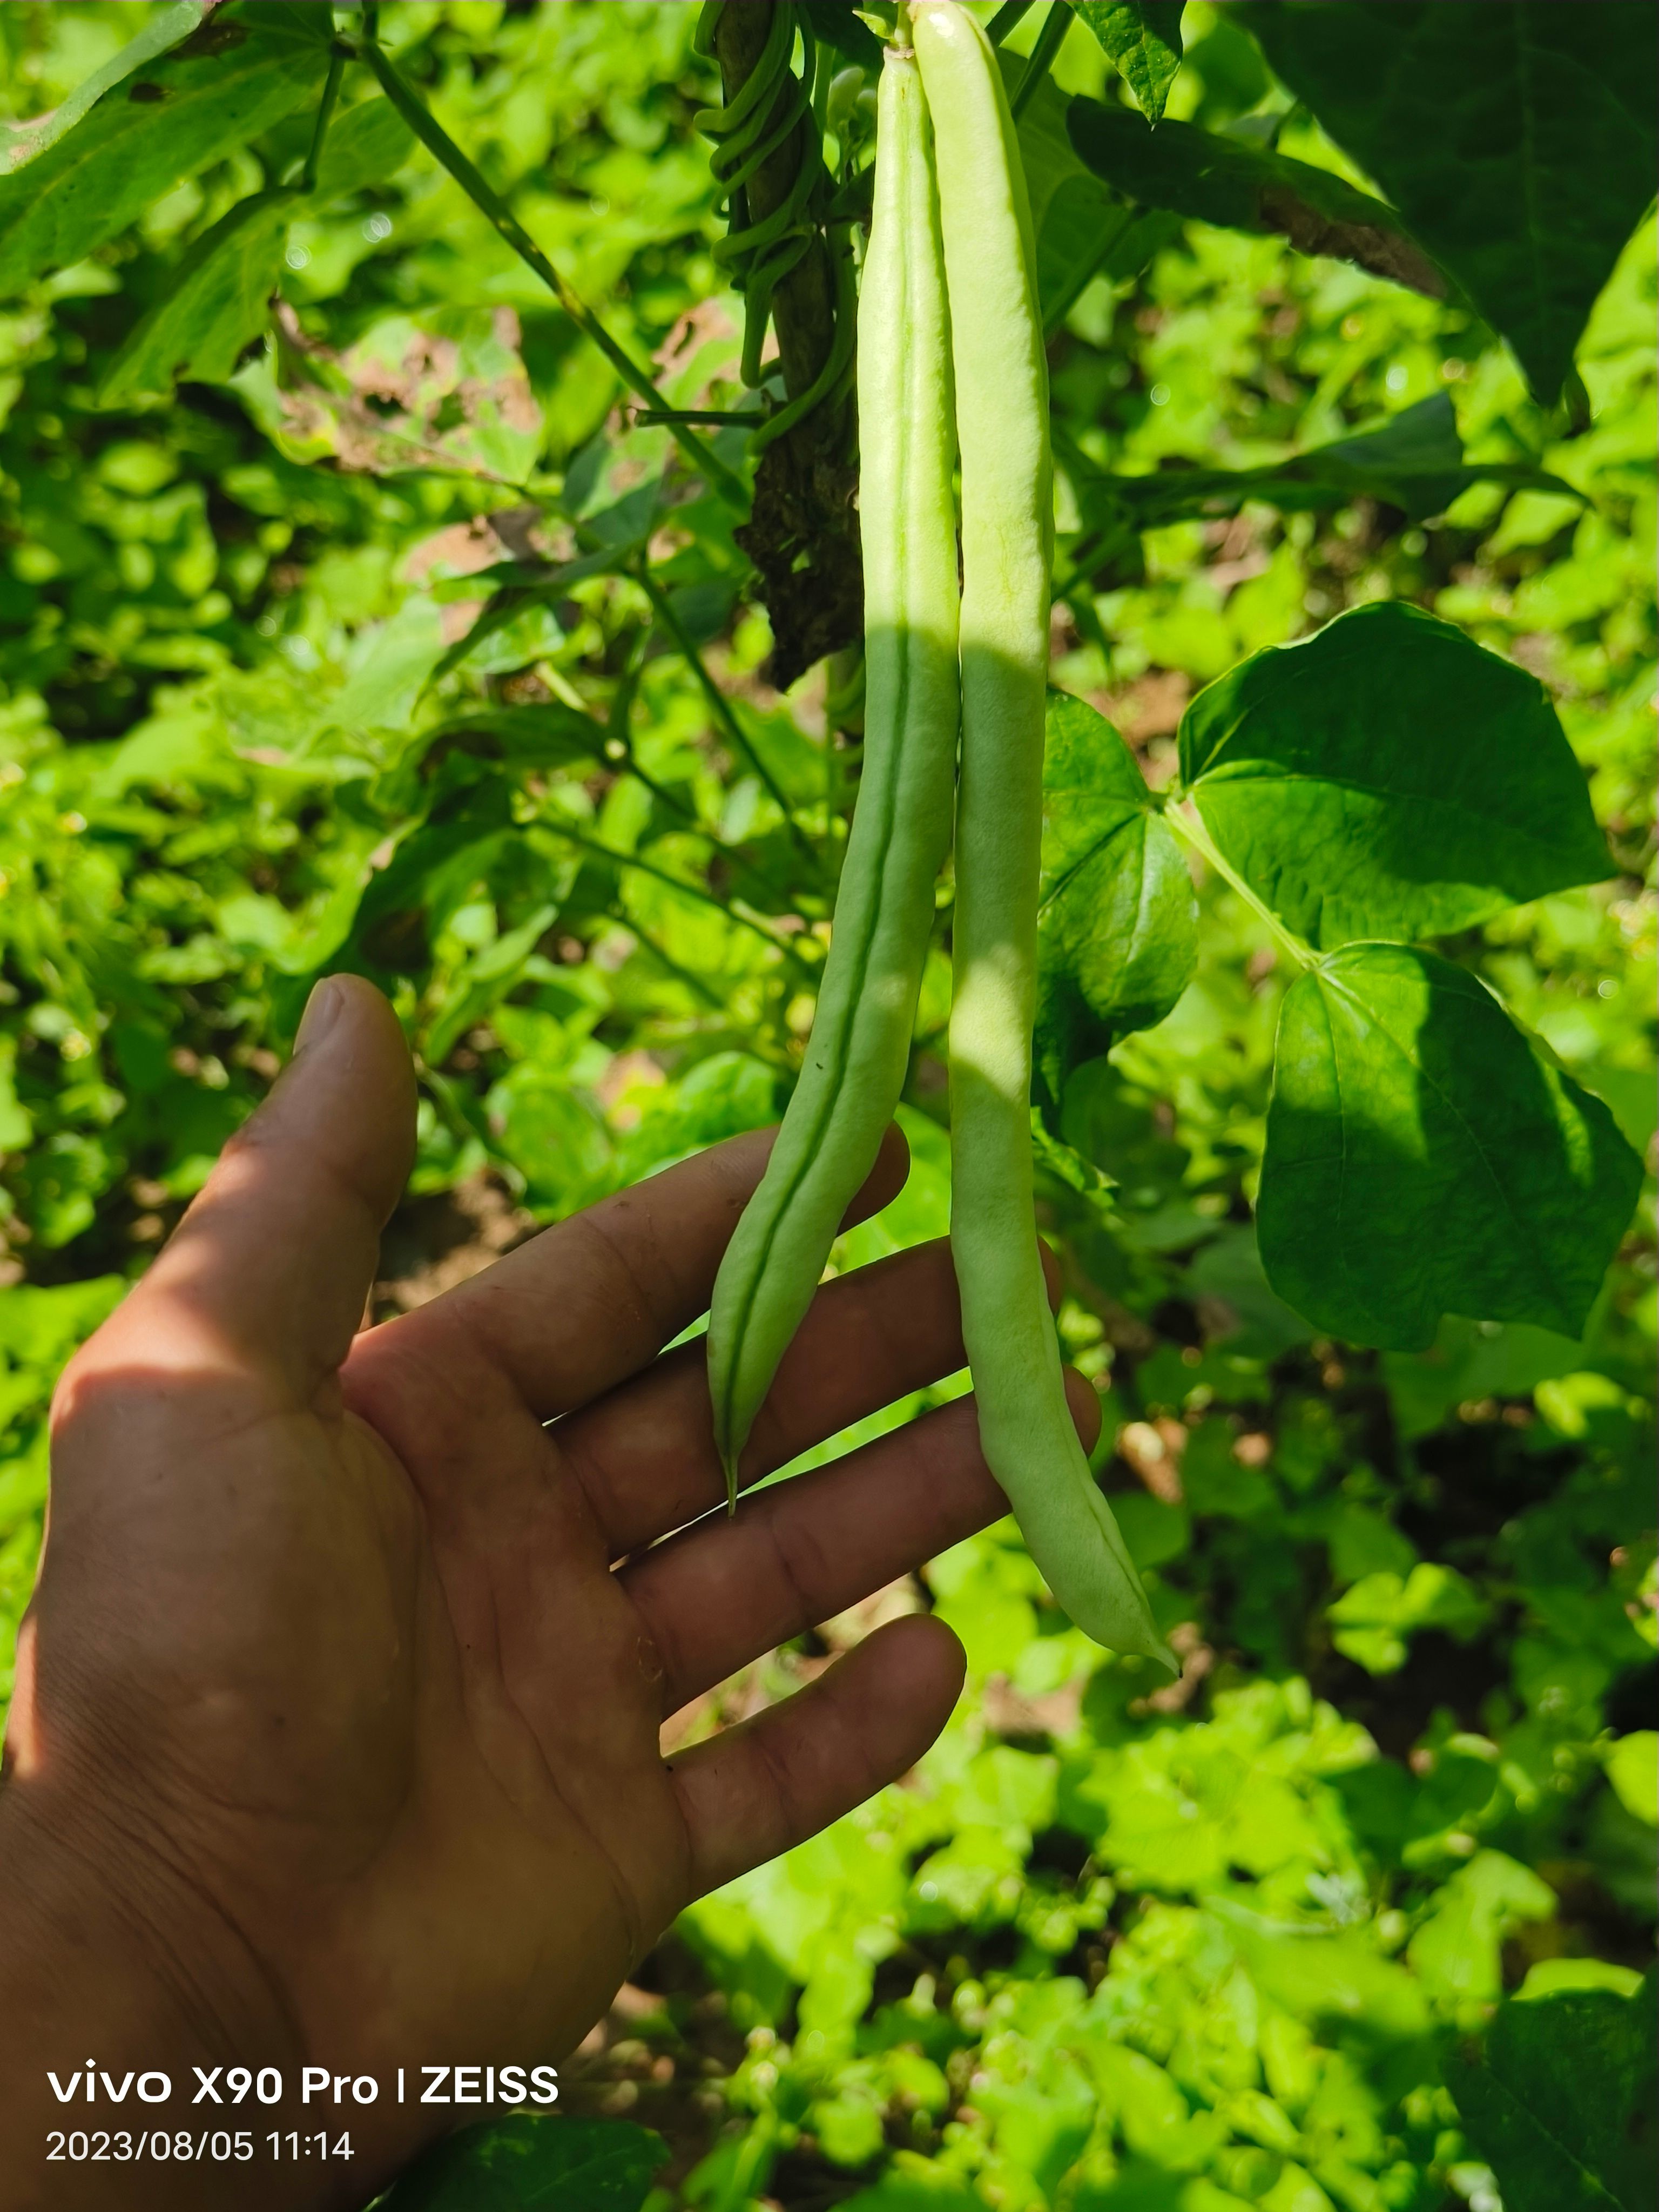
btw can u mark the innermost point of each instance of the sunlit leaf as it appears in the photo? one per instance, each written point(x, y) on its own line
point(1142, 38)
point(169, 26)
point(1388, 777)
point(215, 301)
point(243, 71)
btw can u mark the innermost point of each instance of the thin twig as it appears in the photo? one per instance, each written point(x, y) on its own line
point(437, 141)
point(723, 710)
point(1005, 19)
point(692, 981)
point(1049, 40)
point(336, 62)
point(621, 859)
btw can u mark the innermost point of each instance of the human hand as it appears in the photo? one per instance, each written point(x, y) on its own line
point(336, 1737)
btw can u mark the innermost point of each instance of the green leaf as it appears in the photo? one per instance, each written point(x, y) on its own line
point(1335, 1979)
point(1423, 1157)
point(835, 23)
point(1388, 777)
point(16, 1124)
point(1560, 2101)
point(217, 300)
point(1117, 918)
point(1241, 186)
point(1087, 229)
point(1052, 1155)
point(1046, 152)
point(1633, 1770)
point(548, 734)
point(1415, 461)
point(528, 2163)
point(1142, 39)
point(1412, 461)
point(449, 394)
point(1154, 1531)
point(242, 71)
point(1082, 220)
point(485, 980)
point(366, 145)
point(1517, 143)
point(1454, 1950)
point(1372, 1622)
point(22, 142)
point(1417, 450)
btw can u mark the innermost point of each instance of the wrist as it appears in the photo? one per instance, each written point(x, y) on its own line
point(115, 1987)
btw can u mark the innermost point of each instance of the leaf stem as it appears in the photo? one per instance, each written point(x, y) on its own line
point(1005, 19)
point(437, 141)
point(619, 735)
point(722, 708)
point(1188, 825)
point(619, 739)
point(693, 982)
point(1049, 40)
point(336, 62)
point(601, 851)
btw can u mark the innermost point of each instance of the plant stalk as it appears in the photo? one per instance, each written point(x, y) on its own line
point(1187, 826)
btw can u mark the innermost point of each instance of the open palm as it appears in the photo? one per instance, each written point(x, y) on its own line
point(351, 1650)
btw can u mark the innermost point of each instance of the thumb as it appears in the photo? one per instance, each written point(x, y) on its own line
point(270, 1268)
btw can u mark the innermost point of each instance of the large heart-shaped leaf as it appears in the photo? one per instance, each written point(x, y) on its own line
point(1424, 1158)
point(1517, 143)
point(1388, 777)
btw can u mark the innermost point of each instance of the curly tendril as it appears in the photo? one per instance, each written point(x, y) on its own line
point(760, 254)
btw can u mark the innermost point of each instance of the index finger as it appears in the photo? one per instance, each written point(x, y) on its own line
point(589, 1302)
point(267, 1273)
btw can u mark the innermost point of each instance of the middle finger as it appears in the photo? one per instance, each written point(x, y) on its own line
point(645, 1453)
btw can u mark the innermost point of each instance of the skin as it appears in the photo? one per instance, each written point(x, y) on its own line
point(860, 1047)
point(336, 1732)
point(1002, 426)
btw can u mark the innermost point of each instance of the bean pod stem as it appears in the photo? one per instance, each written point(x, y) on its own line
point(1002, 385)
point(859, 1049)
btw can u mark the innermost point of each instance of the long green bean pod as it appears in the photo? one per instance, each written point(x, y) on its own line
point(859, 1046)
point(1002, 426)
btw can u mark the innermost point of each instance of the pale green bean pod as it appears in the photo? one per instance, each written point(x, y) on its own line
point(1001, 383)
point(859, 1049)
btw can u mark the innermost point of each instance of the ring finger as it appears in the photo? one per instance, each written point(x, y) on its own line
point(730, 1587)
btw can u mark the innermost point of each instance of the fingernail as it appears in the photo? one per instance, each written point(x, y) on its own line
point(321, 1009)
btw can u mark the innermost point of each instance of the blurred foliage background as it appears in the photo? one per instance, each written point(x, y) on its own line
point(1114, 1947)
